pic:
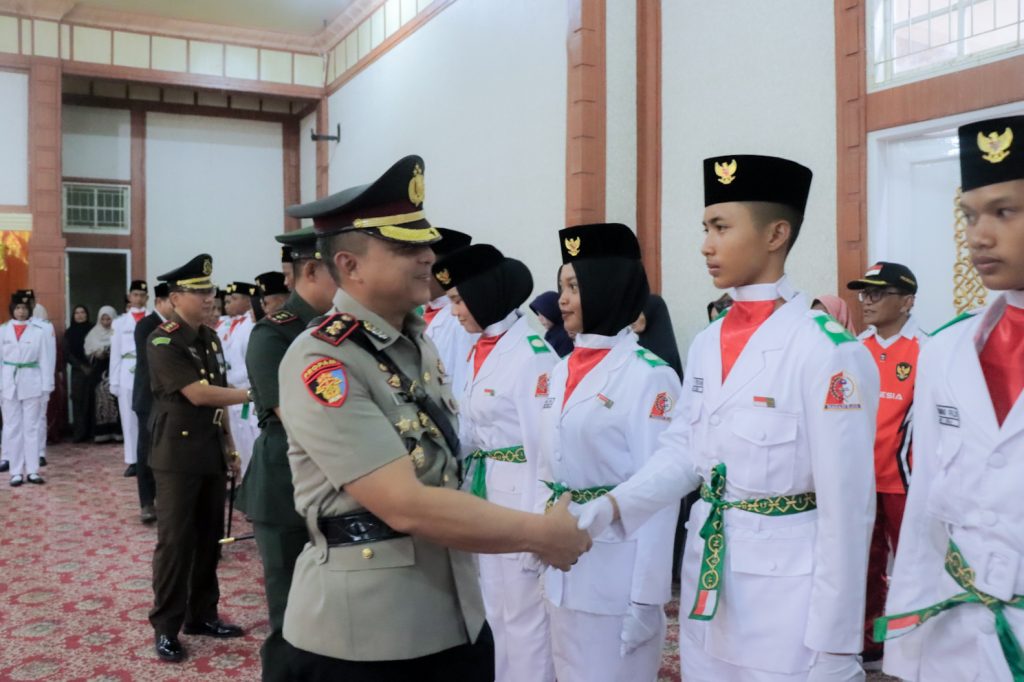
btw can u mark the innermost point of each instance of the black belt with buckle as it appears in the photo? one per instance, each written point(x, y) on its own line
point(355, 529)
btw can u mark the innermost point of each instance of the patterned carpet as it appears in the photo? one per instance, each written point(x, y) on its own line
point(75, 584)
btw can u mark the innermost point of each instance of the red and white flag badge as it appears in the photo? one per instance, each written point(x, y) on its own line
point(543, 386)
point(605, 400)
point(763, 401)
point(705, 605)
point(662, 406)
point(874, 270)
point(327, 382)
point(842, 393)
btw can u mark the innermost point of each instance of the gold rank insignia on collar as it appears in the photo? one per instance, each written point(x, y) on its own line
point(170, 326)
point(996, 147)
point(375, 331)
point(336, 328)
point(282, 316)
point(726, 172)
point(572, 245)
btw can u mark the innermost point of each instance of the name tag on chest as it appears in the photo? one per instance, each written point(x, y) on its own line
point(948, 415)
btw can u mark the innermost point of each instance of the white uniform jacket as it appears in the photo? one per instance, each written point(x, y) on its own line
point(502, 408)
point(966, 486)
point(454, 344)
point(122, 355)
point(605, 432)
point(234, 352)
point(796, 414)
point(21, 383)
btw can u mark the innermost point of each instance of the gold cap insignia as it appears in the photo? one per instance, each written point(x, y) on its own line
point(444, 277)
point(573, 246)
point(995, 146)
point(726, 172)
point(417, 188)
point(207, 267)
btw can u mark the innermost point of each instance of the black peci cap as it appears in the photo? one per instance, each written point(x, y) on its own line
point(138, 285)
point(243, 288)
point(598, 240)
point(161, 290)
point(271, 283)
point(749, 177)
point(466, 263)
point(990, 152)
point(451, 241)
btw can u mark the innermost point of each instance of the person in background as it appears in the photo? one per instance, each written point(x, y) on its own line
point(97, 348)
point(26, 376)
point(240, 303)
point(219, 311)
point(142, 400)
point(41, 319)
point(545, 307)
point(273, 291)
point(452, 341)
point(837, 308)
point(287, 267)
point(81, 369)
point(122, 369)
point(886, 293)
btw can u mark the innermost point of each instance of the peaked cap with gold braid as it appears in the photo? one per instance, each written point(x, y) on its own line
point(193, 275)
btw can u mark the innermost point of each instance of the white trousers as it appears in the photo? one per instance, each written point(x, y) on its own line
point(697, 664)
point(586, 649)
point(518, 620)
point(21, 435)
point(129, 424)
point(244, 432)
point(44, 403)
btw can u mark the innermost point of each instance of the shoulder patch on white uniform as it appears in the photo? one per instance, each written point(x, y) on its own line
point(841, 393)
point(833, 329)
point(650, 358)
point(537, 344)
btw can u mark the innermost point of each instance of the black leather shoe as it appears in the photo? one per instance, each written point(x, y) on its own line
point(36, 479)
point(214, 628)
point(4, 465)
point(148, 514)
point(169, 649)
point(130, 471)
point(42, 461)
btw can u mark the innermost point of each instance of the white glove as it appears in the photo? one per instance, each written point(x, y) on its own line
point(641, 623)
point(115, 391)
point(531, 563)
point(836, 668)
point(595, 517)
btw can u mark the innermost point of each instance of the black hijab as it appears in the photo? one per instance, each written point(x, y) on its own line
point(658, 336)
point(546, 304)
point(493, 294)
point(612, 293)
point(74, 335)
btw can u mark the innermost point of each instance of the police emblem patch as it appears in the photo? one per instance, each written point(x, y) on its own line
point(842, 393)
point(903, 371)
point(543, 386)
point(662, 406)
point(327, 382)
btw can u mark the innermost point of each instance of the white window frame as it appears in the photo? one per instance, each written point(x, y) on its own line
point(127, 208)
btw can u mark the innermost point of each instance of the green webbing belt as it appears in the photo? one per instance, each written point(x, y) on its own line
point(477, 459)
point(898, 624)
point(579, 495)
point(21, 365)
point(713, 532)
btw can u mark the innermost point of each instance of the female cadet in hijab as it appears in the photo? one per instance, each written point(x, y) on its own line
point(74, 353)
point(97, 348)
point(508, 382)
point(609, 401)
point(545, 307)
point(654, 329)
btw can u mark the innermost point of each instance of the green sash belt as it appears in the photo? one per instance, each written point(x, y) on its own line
point(21, 365)
point(513, 453)
point(128, 356)
point(888, 627)
point(579, 495)
point(713, 532)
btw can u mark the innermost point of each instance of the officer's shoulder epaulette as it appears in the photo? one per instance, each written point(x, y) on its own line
point(282, 317)
point(833, 329)
point(537, 344)
point(170, 326)
point(650, 358)
point(956, 320)
point(336, 328)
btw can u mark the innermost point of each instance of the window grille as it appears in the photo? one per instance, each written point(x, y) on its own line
point(95, 207)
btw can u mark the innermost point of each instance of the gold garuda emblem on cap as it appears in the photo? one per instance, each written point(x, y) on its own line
point(995, 146)
point(207, 266)
point(417, 188)
point(726, 172)
point(444, 277)
point(572, 246)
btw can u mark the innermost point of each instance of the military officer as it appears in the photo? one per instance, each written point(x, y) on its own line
point(384, 589)
point(142, 399)
point(40, 320)
point(191, 454)
point(122, 368)
point(287, 269)
point(776, 425)
point(239, 304)
point(955, 599)
point(272, 291)
point(452, 340)
point(266, 494)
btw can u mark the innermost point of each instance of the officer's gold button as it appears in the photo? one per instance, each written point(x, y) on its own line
point(184, 433)
point(367, 553)
point(204, 382)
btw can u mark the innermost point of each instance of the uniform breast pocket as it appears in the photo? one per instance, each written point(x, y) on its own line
point(766, 442)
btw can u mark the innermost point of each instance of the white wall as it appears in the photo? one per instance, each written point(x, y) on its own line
point(620, 90)
point(14, 138)
point(480, 93)
point(213, 185)
point(97, 143)
point(745, 76)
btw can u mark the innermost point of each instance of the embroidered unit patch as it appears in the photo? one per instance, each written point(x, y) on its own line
point(327, 382)
point(842, 393)
point(543, 386)
point(662, 406)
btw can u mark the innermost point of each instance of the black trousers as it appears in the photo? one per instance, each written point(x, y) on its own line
point(467, 663)
point(143, 474)
point(81, 403)
point(279, 546)
point(190, 520)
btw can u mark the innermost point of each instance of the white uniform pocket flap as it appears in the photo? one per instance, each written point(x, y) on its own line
point(393, 553)
point(777, 556)
point(765, 427)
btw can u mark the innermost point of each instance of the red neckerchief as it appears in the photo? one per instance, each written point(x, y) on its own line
point(430, 313)
point(234, 323)
point(581, 361)
point(739, 325)
point(19, 329)
point(484, 346)
point(138, 315)
point(1002, 362)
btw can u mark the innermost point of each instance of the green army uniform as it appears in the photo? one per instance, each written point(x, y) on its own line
point(266, 494)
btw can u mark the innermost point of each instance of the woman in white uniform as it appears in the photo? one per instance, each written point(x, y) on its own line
point(507, 383)
point(608, 402)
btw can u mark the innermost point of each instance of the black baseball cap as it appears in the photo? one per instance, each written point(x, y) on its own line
point(883, 274)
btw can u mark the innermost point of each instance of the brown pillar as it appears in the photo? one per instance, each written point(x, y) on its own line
point(138, 190)
point(648, 137)
point(292, 186)
point(586, 128)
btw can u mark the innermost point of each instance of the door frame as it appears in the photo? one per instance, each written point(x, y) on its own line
point(127, 253)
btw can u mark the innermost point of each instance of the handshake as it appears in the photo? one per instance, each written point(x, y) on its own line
point(567, 537)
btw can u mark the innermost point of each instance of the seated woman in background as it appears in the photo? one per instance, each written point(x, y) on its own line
point(97, 349)
point(81, 371)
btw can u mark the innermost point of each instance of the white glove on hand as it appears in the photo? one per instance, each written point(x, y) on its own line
point(595, 517)
point(836, 668)
point(531, 563)
point(641, 623)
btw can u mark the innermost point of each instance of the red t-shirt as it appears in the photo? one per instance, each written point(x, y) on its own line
point(897, 368)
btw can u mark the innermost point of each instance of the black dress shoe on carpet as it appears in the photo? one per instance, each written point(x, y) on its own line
point(130, 471)
point(16, 481)
point(4, 465)
point(36, 478)
point(148, 514)
point(169, 649)
point(214, 628)
point(42, 461)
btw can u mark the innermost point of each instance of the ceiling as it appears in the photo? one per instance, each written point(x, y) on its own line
point(301, 17)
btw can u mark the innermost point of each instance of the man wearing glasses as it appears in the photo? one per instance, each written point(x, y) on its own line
point(886, 293)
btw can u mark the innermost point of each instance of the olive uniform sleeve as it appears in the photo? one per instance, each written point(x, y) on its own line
point(267, 346)
point(170, 368)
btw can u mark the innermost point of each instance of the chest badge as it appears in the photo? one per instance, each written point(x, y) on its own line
point(605, 400)
point(543, 386)
point(698, 385)
point(764, 401)
point(903, 371)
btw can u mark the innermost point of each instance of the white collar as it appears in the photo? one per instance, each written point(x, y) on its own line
point(764, 292)
point(136, 310)
point(439, 302)
point(910, 330)
point(20, 323)
point(499, 328)
point(164, 319)
point(599, 341)
point(1015, 297)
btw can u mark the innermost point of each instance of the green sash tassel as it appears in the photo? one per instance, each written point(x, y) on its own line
point(514, 454)
point(245, 410)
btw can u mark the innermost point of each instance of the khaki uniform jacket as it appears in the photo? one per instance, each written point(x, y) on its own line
point(186, 438)
point(395, 599)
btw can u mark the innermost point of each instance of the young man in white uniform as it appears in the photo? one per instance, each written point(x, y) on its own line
point(776, 426)
point(453, 342)
point(238, 304)
point(122, 369)
point(954, 607)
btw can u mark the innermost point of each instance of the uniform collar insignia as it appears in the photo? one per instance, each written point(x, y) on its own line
point(375, 331)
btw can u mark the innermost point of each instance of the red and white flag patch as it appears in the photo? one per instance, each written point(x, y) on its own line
point(327, 382)
point(842, 393)
point(707, 600)
point(662, 406)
